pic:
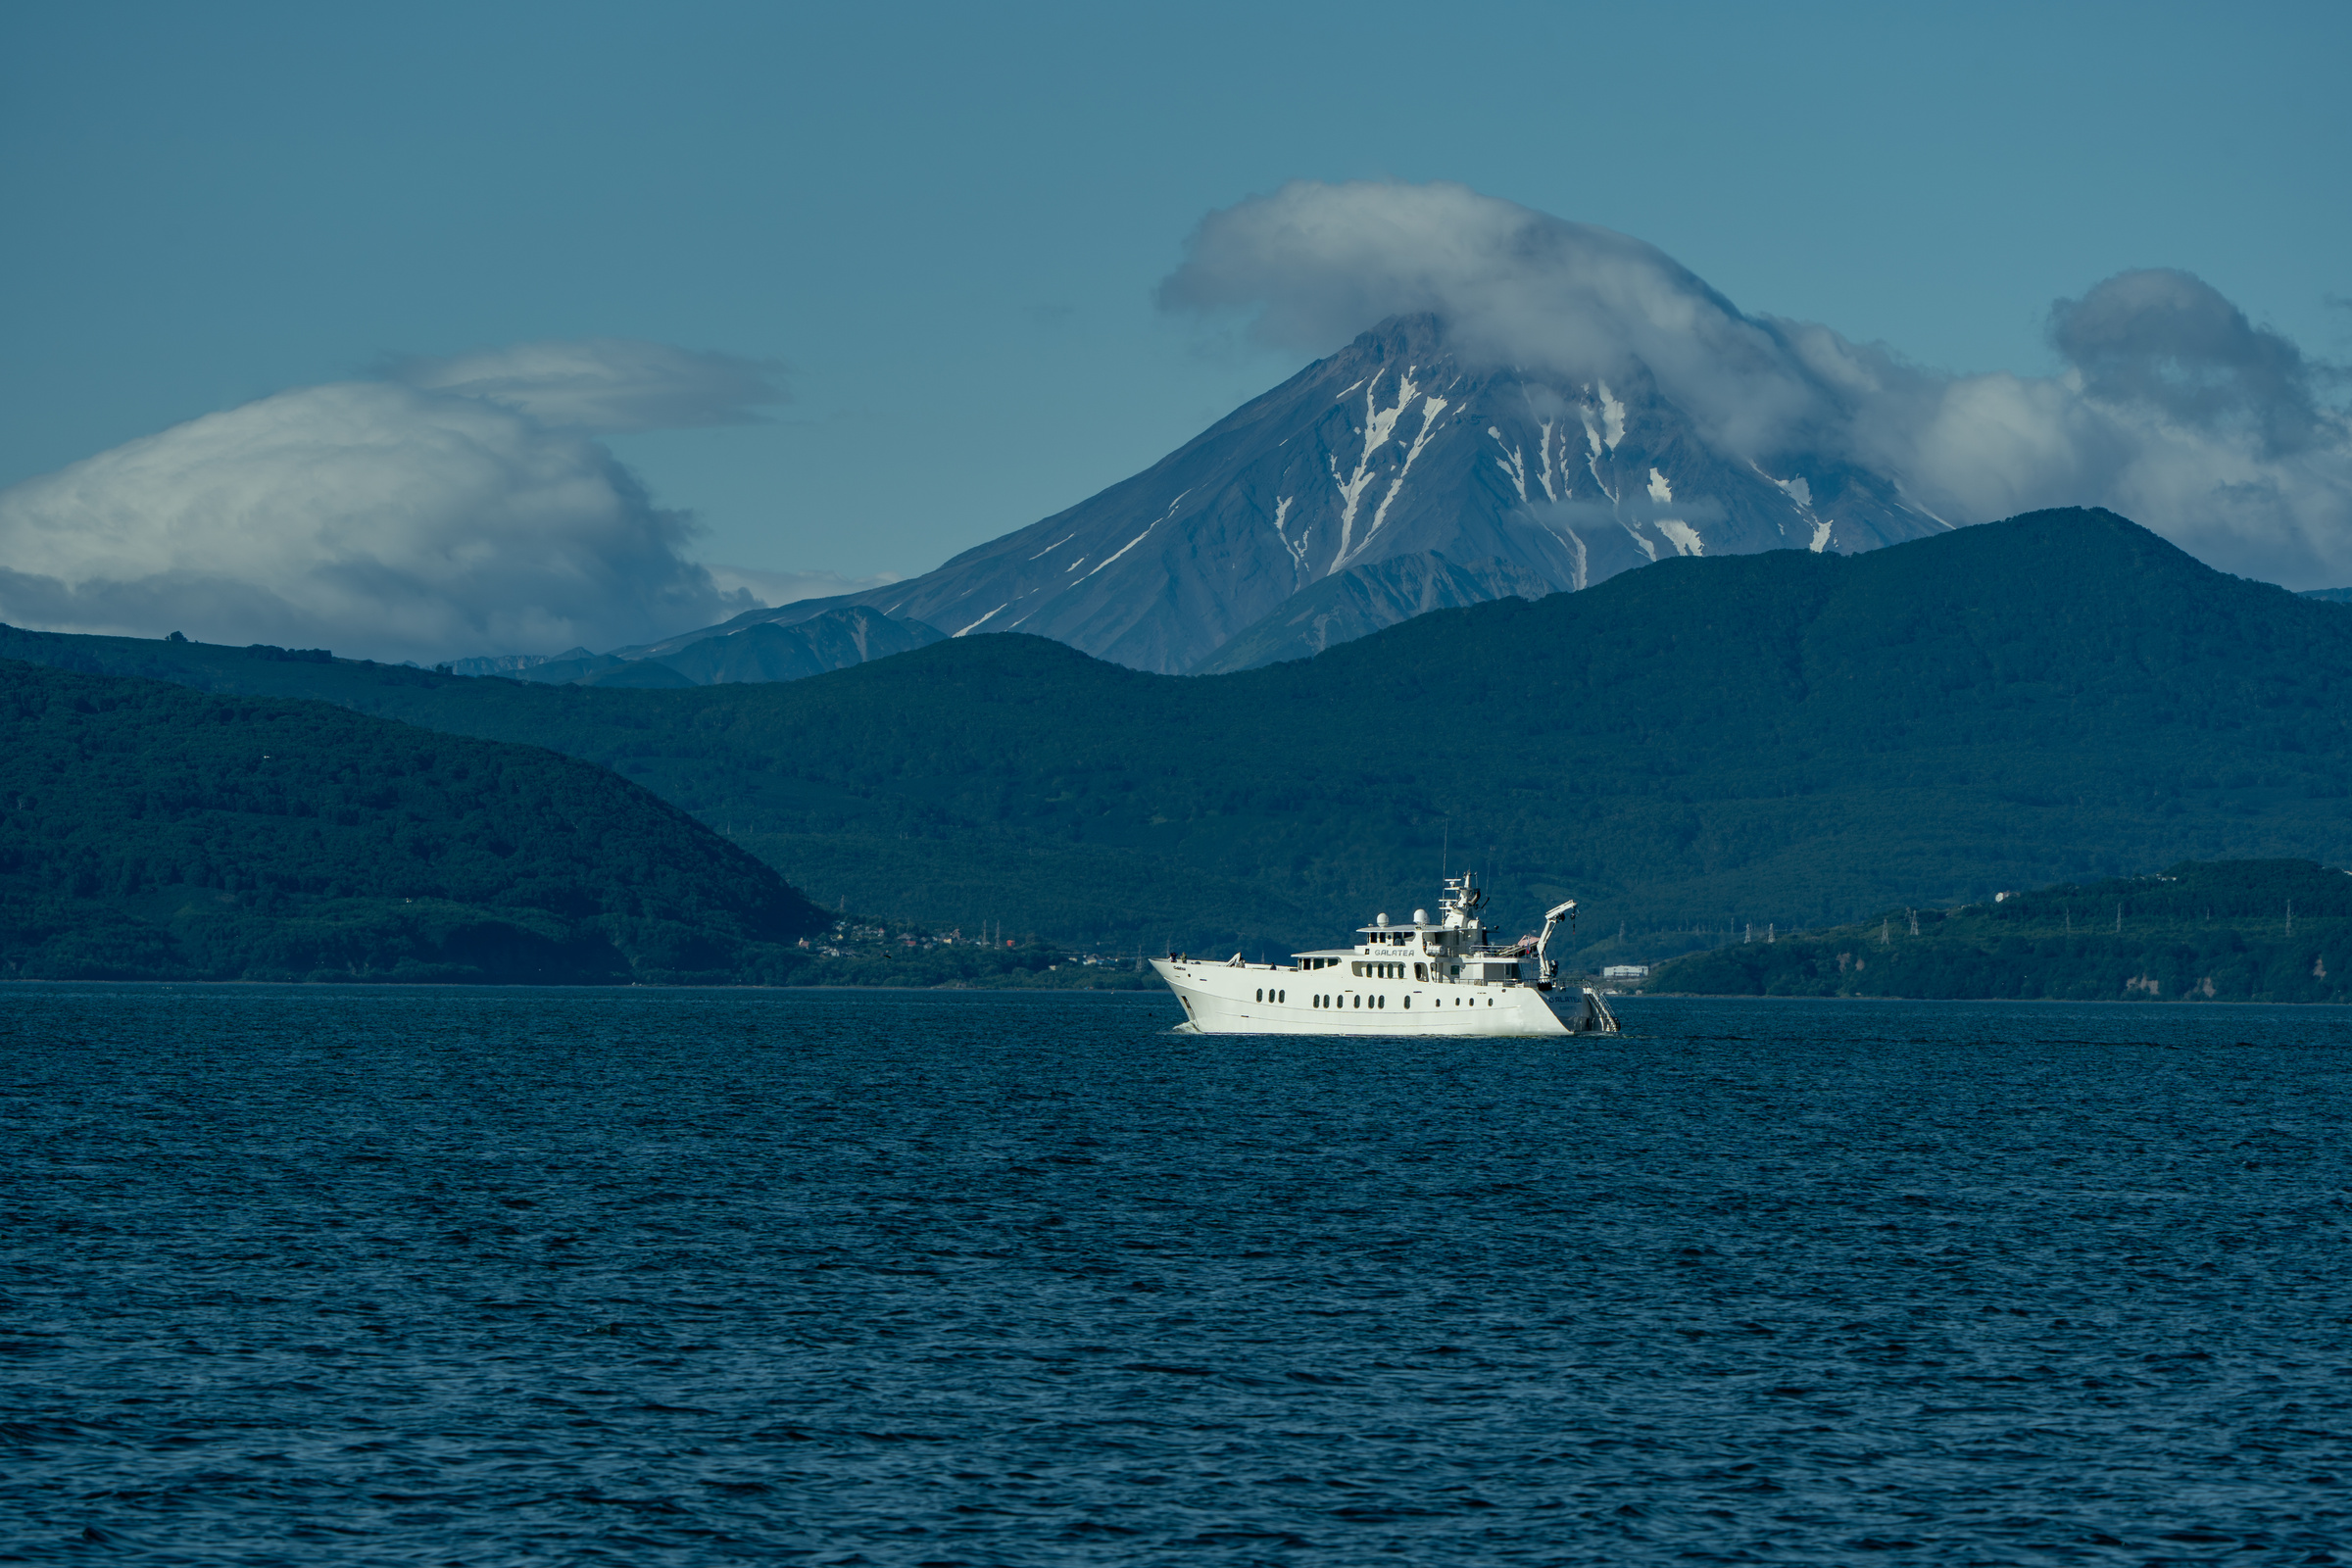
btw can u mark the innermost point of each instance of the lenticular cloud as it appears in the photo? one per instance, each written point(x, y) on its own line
point(2175, 410)
point(603, 383)
point(387, 519)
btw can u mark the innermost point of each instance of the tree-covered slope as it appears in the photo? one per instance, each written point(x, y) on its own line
point(1784, 737)
point(149, 831)
point(2229, 931)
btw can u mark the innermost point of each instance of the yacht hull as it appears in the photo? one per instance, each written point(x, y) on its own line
point(1228, 998)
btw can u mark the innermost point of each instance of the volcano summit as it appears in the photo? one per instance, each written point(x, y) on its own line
point(1392, 477)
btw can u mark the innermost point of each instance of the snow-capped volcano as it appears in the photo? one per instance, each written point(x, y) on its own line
point(1394, 447)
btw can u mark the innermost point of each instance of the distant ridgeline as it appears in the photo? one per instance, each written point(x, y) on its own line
point(753, 646)
point(1784, 738)
point(149, 832)
point(2226, 930)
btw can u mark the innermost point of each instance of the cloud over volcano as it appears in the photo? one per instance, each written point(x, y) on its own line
point(2174, 409)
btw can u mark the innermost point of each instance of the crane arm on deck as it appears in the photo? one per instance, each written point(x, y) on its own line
point(1546, 968)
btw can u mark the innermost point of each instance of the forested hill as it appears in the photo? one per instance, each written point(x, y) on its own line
point(2228, 931)
point(148, 831)
point(1787, 736)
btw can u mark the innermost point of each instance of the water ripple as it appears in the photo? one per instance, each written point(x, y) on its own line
point(374, 1276)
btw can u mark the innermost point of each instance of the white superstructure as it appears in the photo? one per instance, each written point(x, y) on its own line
point(1447, 977)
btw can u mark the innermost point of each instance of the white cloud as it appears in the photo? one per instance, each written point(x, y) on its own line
point(605, 384)
point(377, 520)
point(2175, 410)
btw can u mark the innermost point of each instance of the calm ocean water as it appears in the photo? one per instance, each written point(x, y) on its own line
point(311, 1275)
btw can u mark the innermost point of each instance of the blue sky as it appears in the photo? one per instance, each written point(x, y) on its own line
point(948, 222)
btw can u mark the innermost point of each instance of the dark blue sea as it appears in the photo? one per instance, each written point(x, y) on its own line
point(309, 1275)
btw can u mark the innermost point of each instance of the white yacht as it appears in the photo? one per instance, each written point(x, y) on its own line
point(1447, 977)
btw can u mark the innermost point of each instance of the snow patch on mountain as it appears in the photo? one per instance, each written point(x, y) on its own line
point(1395, 447)
point(1682, 536)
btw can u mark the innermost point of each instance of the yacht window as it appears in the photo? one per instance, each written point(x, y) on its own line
point(1282, 995)
point(1408, 1002)
point(1258, 996)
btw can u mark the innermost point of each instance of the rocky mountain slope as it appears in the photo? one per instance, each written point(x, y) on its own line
point(1394, 447)
point(1361, 599)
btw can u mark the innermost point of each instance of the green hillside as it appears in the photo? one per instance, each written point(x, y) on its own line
point(148, 832)
point(1784, 738)
point(2229, 931)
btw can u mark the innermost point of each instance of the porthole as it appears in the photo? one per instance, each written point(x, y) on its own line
point(1282, 995)
point(1257, 995)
